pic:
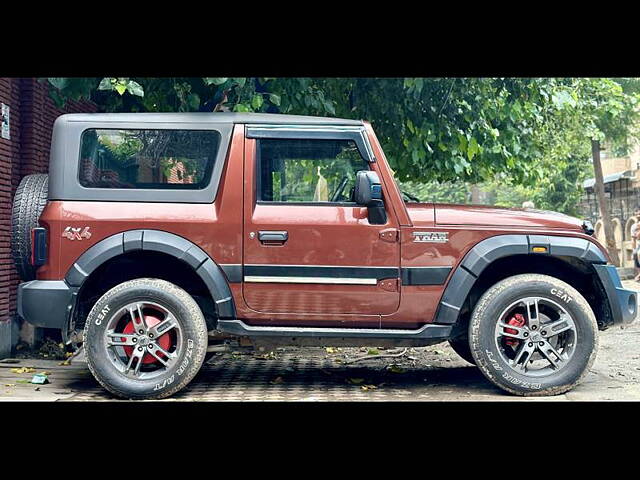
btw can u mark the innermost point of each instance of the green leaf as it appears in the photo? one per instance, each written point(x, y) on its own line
point(215, 80)
point(120, 88)
point(275, 99)
point(193, 99)
point(59, 83)
point(473, 148)
point(134, 88)
point(106, 84)
point(256, 101)
point(328, 106)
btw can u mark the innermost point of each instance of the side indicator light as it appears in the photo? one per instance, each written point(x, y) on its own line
point(539, 249)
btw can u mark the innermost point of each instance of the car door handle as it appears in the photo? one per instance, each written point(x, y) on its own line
point(273, 237)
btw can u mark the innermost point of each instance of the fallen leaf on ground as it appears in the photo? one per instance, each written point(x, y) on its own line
point(331, 350)
point(267, 356)
point(373, 351)
point(9, 384)
point(66, 362)
point(368, 387)
point(23, 370)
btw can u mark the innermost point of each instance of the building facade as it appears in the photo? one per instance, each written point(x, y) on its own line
point(27, 116)
point(622, 190)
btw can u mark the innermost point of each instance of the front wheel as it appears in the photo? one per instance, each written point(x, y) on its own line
point(145, 338)
point(533, 335)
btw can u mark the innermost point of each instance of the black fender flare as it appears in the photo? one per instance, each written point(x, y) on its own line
point(493, 248)
point(157, 241)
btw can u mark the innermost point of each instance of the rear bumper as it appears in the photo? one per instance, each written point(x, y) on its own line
point(623, 303)
point(45, 303)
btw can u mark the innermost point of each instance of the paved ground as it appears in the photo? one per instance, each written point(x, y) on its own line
point(315, 374)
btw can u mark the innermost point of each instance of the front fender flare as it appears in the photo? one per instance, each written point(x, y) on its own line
point(493, 248)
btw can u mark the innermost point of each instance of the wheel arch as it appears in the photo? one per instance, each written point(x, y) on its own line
point(493, 259)
point(159, 242)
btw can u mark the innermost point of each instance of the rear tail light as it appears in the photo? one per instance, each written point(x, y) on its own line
point(38, 246)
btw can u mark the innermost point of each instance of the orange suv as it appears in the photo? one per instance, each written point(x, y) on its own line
point(154, 236)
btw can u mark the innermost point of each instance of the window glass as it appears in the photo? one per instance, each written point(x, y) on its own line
point(161, 159)
point(308, 170)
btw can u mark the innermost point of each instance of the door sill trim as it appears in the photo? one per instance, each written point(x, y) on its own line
point(428, 331)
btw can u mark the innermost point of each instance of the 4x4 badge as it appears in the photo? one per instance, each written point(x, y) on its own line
point(431, 237)
point(76, 233)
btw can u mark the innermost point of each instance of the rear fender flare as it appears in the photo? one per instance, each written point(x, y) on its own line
point(157, 241)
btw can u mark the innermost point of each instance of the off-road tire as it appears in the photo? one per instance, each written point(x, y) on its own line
point(28, 203)
point(490, 362)
point(461, 346)
point(186, 312)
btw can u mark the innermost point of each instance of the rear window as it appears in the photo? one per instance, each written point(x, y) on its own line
point(158, 159)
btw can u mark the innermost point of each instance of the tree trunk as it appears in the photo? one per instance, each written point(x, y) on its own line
point(603, 205)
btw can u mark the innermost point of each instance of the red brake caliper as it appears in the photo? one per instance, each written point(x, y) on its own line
point(517, 321)
point(163, 341)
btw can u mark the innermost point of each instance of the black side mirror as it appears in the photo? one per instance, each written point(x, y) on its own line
point(368, 192)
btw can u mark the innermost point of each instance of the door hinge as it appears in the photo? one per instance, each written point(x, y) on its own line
point(389, 284)
point(389, 235)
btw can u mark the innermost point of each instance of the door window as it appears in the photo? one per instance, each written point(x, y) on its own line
point(308, 171)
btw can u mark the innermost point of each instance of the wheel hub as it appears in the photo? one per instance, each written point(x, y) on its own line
point(144, 341)
point(535, 336)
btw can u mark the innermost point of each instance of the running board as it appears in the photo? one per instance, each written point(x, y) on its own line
point(429, 331)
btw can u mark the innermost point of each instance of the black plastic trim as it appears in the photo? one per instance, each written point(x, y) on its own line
point(428, 331)
point(45, 303)
point(493, 248)
point(357, 135)
point(158, 241)
point(424, 275)
point(623, 303)
point(378, 273)
point(233, 271)
point(39, 247)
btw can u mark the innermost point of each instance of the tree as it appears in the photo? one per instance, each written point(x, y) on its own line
point(441, 129)
point(530, 132)
point(597, 109)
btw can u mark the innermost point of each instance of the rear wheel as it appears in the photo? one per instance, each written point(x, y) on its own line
point(533, 335)
point(145, 338)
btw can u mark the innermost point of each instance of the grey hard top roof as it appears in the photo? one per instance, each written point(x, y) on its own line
point(208, 117)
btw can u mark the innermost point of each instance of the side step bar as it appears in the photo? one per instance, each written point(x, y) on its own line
point(429, 331)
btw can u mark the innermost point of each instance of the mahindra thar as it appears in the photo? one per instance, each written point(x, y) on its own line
point(155, 237)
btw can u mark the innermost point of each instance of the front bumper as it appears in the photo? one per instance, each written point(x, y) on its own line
point(623, 303)
point(45, 303)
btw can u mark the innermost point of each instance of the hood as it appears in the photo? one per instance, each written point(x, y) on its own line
point(483, 215)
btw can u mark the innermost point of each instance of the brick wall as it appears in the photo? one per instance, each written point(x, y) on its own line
point(27, 151)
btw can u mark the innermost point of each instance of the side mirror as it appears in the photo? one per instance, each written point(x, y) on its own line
point(368, 192)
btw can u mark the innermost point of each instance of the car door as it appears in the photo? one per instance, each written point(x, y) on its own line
point(309, 249)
